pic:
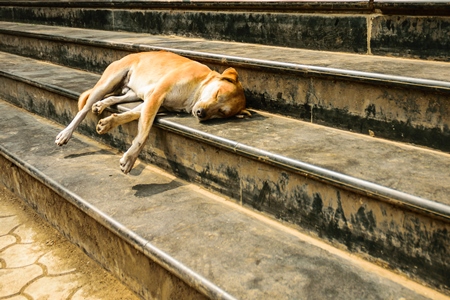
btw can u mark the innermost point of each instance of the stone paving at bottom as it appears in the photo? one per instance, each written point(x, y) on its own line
point(37, 262)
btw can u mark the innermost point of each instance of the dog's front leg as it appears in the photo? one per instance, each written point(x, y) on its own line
point(150, 108)
point(99, 106)
point(114, 120)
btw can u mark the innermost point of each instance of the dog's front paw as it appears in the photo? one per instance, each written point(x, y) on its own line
point(63, 137)
point(98, 107)
point(105, 125)
point(127, 162)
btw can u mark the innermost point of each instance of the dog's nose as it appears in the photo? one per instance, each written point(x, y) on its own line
point(200, 113)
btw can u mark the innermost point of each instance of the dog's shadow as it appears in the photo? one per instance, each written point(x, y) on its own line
point(151, 189)
point(245, 119)
point(214, 122)
point(98, 152)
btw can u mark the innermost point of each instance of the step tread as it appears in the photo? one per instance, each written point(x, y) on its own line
point(365, 67)
point(243, 253)
point(332, 154)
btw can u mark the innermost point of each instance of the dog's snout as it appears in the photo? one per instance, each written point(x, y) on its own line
point(200, 113)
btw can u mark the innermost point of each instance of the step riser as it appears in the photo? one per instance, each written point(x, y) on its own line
point(191, 232)
point(84, 57)
point(363, 33)
point(279, 29)
point(136, 270)
point(413, 243)
point(406, 35)
point(400, 113)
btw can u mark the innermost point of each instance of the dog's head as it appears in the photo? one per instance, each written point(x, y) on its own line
point(221, 97)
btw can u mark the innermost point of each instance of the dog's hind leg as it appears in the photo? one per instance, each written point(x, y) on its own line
point(129, 96)
point(110, 79)
point(106, 124)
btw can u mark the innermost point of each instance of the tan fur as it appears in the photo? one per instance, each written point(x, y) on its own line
point(83, 98)
point(161, 79)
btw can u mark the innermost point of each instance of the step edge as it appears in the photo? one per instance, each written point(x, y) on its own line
point(418, 204)
point(383, 193)
point(46, 86)
point(374, 78)
point(323, 5)
point(193, 279)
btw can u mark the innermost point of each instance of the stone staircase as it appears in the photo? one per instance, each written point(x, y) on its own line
point(337, 187)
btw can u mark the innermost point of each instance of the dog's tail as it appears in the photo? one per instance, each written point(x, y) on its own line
point(83, 98)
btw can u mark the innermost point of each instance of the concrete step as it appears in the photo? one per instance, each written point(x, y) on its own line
point(384, 201)
point(168, 239)
point(380, 27)
point(397, 99)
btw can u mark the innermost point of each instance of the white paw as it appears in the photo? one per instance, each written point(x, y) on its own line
point(63, 137)
point(127, 162)
point(98, 107)
point(105, 125)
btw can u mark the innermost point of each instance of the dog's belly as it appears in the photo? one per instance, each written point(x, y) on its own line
point(143, 90)
point(178, 103)
point(182, 96)
point(177, 100)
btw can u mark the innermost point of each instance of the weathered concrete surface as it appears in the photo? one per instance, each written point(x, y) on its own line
point(126, 261)
point(57, 81)
point(345, 33)
point(412, 242)
point(41, 37)
point(242, 252)
point(36, 262)
point(403, 100)
point(398, 28)
point(419, 37)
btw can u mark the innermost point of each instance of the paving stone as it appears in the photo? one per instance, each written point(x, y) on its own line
point(8, 224)
point(18, 297)
point(55, 265)
point(53, 288)
point(5, 208)
point(21, 255)
point(12, 280)
point(6, 241)
point(26, 233)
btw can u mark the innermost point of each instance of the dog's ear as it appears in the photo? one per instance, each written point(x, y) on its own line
point(230, 75)
point(244, 113)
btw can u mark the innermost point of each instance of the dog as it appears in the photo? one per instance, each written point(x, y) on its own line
point(162, 80)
